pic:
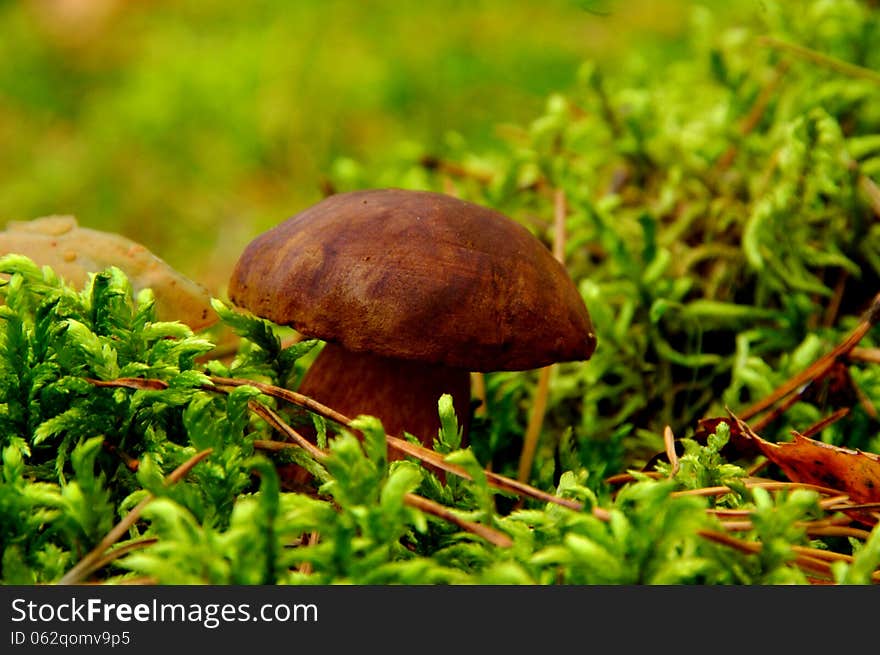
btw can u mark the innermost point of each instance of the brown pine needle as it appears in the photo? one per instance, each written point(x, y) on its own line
point(145, 580)
point(839, 531)
point(116, 553)
point(623, 478)
point(413, 500)
point(306, 567)
point(805, 558)
point(272, 418)
point(703, 491)
point(756, 113)
point(820, 58)
point(820, 554)
point(90, 562)
point(821, 366)
point(536, 420)
point(669, 442)
point(539, 404)
point(478, 383)
point(832, 503)
point(748, 547)
point(402, 446)
point(870, 355)
point(817, 427)
point(872, 191)
point(430, 507)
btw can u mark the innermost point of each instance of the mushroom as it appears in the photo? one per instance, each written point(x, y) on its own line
point(411, 291)
point(74, 252)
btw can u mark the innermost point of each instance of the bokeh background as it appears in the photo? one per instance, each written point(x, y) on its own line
point(191, 126)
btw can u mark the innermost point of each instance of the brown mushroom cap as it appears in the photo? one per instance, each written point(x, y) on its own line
point(416, 275)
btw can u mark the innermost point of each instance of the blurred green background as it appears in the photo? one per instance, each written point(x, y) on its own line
point(192, 126)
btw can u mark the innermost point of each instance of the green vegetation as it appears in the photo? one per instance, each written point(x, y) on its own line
point(722, 221)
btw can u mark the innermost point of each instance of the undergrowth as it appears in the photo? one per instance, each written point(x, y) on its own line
point(721, 222)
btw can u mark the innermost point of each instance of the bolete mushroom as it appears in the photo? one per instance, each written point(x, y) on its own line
point(411, 291)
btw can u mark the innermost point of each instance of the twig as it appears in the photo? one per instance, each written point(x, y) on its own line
point(839, 531)
point(623, 478)
point(539, 404)
point(817, 427)
point(870, 355)
point(438, 510)
point(872, 191)
point(90, 562)
point(719, 490)
point(757, 111)
point(533, 429)
point(413, 500)
point(805, 558)
point(820, 58)
point(672, 456)
point(116, 553)
point(769, 485)
point(306, 567)
point(272, 418)
point(833, 308)
point(402, 446)
point(822, 365)
point(146, 580)
point(130, 462)
point(478, 383)
point(432, 163)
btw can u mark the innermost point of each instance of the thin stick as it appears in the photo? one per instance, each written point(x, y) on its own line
point(142, 580)
point(757, 111)
point(769, 485)
point(820, 425)
point(839, 531)
point(818, 553)
point(872, 191)
point(438, 510)
point(822, 59)
point(539, 404)
point(703, 491)
point(623, 478)
point(536, 420)
point(478, 383)
point(455, 169)
point(89, 563)
point(413, 500)
point(669, 442)
point(272, 418)
point(306, 567)
point(116, 553)
point(404, 447)
point(821, 366)
point(870, 355)
point(804, 558)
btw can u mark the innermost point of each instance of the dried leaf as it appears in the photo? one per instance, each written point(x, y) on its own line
point(853, 472)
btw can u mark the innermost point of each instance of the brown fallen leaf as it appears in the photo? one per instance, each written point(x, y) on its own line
point(851, 471)
point(73, 252)
point(805, 460)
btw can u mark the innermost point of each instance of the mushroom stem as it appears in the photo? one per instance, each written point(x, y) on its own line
point(403, 394)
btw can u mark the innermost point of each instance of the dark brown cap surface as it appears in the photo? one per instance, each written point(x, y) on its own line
point(416, 275)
